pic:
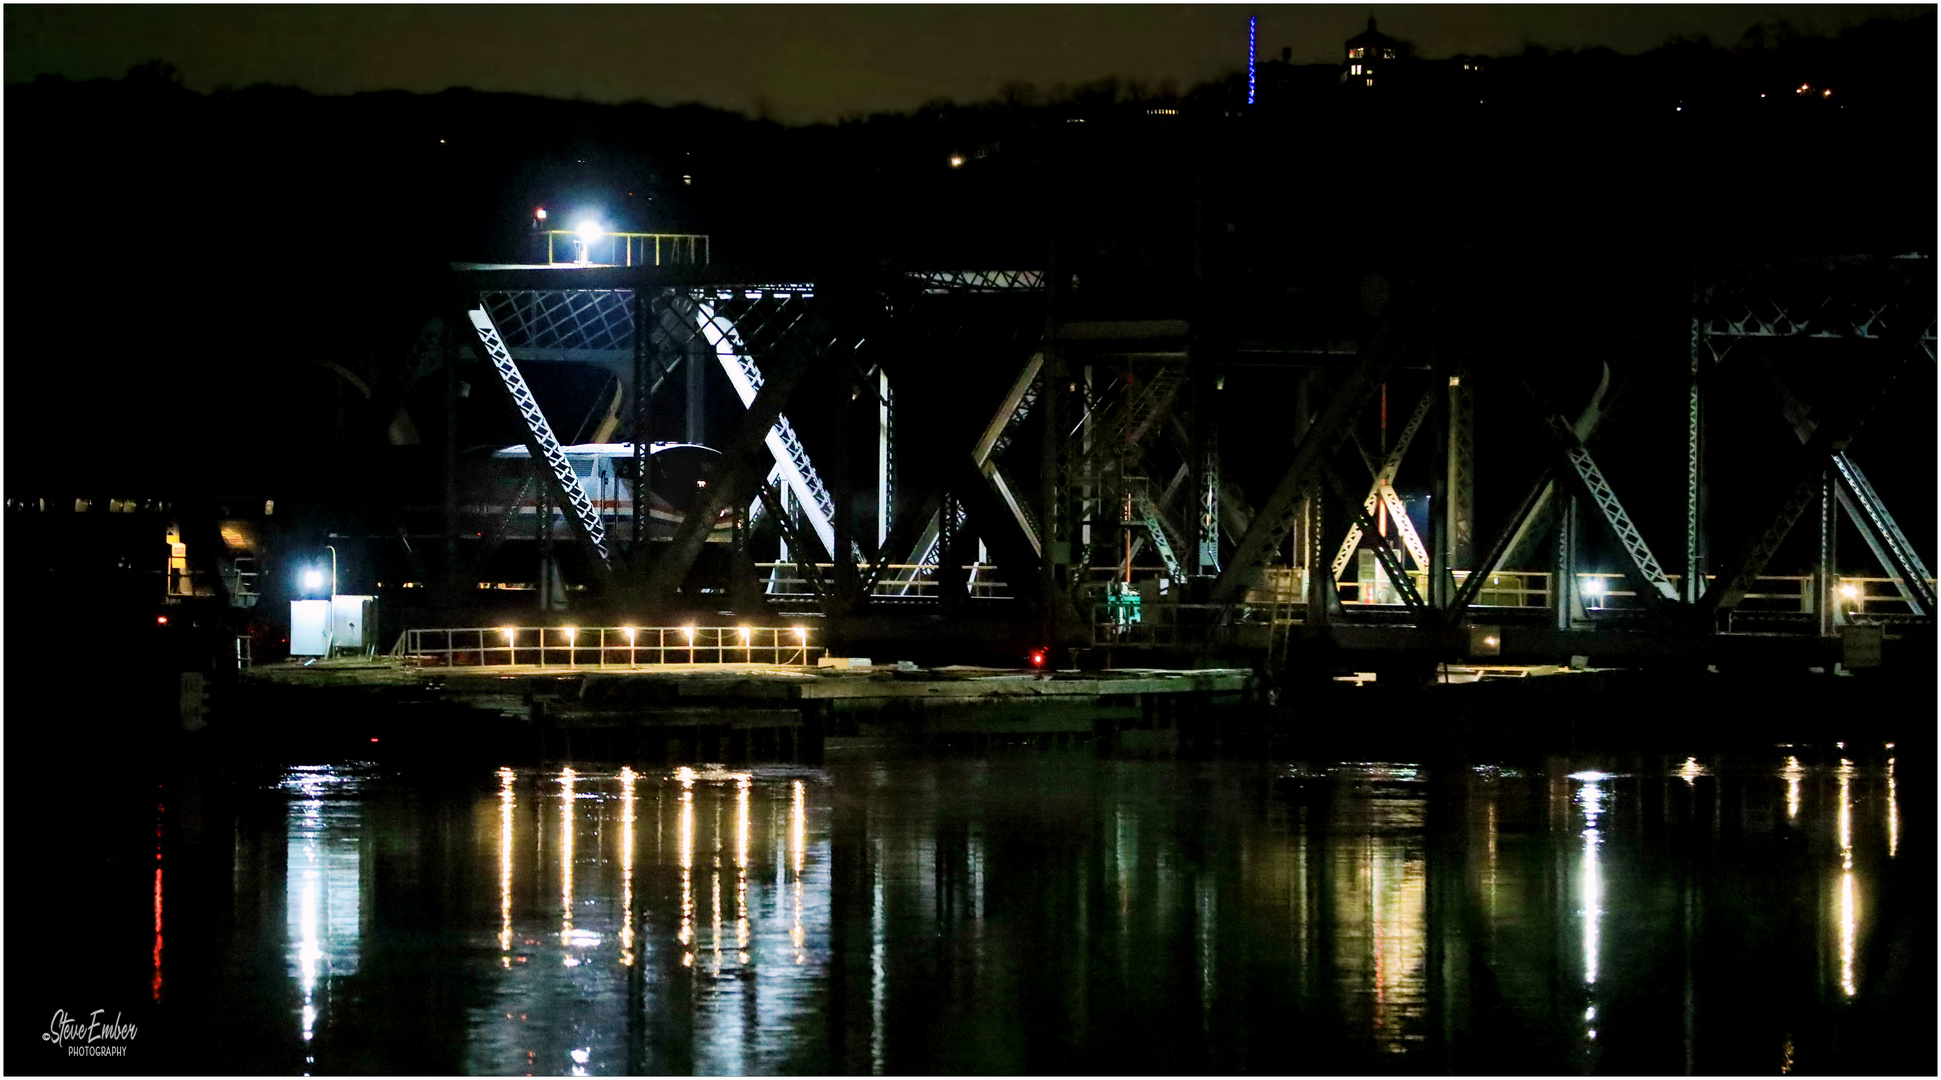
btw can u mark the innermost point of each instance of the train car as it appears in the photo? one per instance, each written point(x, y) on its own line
point(606, 474)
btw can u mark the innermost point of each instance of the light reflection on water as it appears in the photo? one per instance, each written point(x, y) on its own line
point(1047, 915)
point(1590, 798)
point(324, 902)
point(1849, 901)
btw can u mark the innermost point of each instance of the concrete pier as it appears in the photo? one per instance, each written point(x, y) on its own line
point(733, 712)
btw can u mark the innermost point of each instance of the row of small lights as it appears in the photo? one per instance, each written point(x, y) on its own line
point(747, 633)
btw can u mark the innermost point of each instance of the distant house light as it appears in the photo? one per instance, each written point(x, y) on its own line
point(1371, 82)
point(1355, 53)
point(1354, 69)
point(956, 161)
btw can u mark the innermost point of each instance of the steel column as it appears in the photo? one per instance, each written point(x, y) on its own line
point(1694, 512)
point(642, 426)
point(1569, 605)
point(1825, 568)
point(885, 482)
point(1459, 506)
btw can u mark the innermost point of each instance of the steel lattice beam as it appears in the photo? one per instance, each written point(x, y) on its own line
point(978, 281)
point(542, 444)
point(1643, 564)
point(1883, 535)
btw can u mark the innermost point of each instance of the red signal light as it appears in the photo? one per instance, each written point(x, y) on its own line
point(161, 620)
point(1037, 658)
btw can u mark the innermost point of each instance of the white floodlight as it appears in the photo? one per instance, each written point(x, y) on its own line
point(313, 579)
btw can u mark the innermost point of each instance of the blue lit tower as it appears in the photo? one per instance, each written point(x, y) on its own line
point(1253, 34)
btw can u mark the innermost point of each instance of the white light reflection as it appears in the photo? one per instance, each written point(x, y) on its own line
point(1591, 888)
point(1792, 773)
point(627, 778)
point(566, 777)
point(323, 914)
point(714, 894)
point(878, 976)
point(1893, 812)
point(506, 797)
point(741, 868)
point(798, 837)
point(155, 979)
point(686, 776)
point(1849, 900)
point(1691, 771)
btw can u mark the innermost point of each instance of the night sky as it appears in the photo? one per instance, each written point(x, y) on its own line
point(803, 64)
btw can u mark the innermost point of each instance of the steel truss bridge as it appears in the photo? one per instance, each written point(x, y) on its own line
point(1091, 502)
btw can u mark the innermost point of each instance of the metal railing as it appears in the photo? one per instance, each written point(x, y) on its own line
point(597, 647)
point(628, 249)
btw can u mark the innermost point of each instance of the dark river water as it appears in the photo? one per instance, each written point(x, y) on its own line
point(1757, 913)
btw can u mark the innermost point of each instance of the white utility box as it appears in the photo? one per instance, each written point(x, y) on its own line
point(353, 621)
point(309, 627)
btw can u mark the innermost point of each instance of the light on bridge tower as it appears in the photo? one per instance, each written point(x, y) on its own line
point(1253, 28)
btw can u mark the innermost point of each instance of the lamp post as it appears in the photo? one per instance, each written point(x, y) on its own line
point(330, 619)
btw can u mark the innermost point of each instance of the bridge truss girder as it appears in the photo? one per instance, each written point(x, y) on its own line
point(1878, 301)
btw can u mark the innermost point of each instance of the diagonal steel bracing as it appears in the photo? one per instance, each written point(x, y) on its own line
point(1643, 564)
point(997, 435)
point(1585, 426)
point(793, 355)
point(1883, 535)
point(727, 341)
point(811, 574)
point(1532, 502)
point(1825, 439)
point(1384, 489)
point(1275, 517)
point(1397, 576)
point(541, 443)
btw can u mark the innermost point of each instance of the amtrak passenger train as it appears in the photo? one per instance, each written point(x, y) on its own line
point(606, 475)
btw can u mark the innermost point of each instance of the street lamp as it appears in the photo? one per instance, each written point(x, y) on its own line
point(330, 618)
point(589, 234)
